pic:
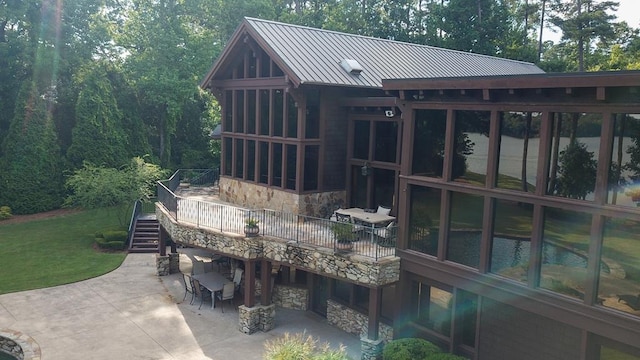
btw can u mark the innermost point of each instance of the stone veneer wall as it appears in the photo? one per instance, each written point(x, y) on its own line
point(19, 345)
point(255, 196)
point(291, 297)
point(354, 268)
point(351, 321)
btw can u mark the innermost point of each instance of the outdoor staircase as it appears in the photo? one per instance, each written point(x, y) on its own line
point(146, 235)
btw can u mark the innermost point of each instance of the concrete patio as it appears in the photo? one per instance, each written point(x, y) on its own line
point(131, 313)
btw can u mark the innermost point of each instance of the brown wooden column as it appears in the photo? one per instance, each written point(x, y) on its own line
point(265, 279)
point(375, 299)
point(162, 241)
point(249, 283)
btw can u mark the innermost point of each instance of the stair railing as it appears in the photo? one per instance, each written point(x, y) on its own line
point(137, 209)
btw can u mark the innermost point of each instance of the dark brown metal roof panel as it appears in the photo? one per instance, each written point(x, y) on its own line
point(314, 56)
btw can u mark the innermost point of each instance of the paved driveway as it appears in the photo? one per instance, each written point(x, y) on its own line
point(131, 313)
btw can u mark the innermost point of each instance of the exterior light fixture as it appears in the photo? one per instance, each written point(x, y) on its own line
point(365, 169)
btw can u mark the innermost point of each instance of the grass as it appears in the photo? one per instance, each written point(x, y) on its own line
point(55, 251)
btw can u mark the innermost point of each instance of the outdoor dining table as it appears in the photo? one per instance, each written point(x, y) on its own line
point(213, 282)
point(367, 217)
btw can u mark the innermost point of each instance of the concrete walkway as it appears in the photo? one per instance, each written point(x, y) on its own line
point(131, 313)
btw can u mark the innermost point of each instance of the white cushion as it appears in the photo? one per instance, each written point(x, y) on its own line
point(383, 210)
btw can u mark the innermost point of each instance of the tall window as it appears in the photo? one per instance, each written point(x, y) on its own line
point(424, 219)
point(428, 143)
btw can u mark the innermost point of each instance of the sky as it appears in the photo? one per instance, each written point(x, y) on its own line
point(629, 11)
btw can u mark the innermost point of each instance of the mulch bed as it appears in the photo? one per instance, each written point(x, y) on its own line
point(16, 219)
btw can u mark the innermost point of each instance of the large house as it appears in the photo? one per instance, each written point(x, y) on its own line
point(512, 189)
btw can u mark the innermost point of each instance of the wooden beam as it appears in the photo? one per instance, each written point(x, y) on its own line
point(601, 93)
point(486, 94)
point(265, 281)
point(375, 299)
point(249, 283)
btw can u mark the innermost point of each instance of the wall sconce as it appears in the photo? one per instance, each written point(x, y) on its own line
point(365, 169)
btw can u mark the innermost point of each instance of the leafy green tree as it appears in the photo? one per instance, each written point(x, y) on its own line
point(93, 187)
point(98, 136)
point(31, 174)
point(577, 171)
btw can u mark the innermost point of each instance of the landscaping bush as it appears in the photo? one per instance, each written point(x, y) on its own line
point(5, 212)
point(409, 349)
point(110, 245)
point(301, 347)
point(117, 235)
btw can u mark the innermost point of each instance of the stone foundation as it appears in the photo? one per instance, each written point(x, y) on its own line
point(351, 321)
point(290, 297)
point(163, 265)
point(174, 263)
point(256, 196)
point(256, 318)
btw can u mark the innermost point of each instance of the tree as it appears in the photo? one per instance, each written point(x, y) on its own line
point(31, 174)
point(98, 136)
point(577, 171)
point(94, 187)
point(583, 21)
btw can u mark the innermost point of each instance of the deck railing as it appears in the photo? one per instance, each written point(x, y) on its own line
point(368, 241)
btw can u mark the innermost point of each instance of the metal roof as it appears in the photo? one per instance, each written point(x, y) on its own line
point(313, 56)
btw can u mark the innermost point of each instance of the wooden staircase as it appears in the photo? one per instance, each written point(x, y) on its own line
point(146, 235)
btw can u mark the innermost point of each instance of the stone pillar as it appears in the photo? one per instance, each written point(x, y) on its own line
point(249, 319)
point(267, 317)
point(174, 263)
point(162, 265)
point(371, 349)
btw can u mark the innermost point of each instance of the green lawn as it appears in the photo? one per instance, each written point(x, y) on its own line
point(54, 251)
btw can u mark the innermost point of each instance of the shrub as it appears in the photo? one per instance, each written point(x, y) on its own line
point(110, 245)
point(446, 356)
point(409, 349)
point(5, 212)
point(117, 235)
point(301, 347)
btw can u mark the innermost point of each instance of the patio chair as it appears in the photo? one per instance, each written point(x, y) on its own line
point(383, 210)
point(355, 228)
point(201, 292)
point(386, 235)
point(197, 267)
point(237, 279)
point(343, 218)
point(188, 287)
point(228, 290)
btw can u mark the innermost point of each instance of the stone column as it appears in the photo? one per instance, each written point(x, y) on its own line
point(174, 263)
point(162, 265)
point(267, 317)
point(249, 319)
point(371, 349)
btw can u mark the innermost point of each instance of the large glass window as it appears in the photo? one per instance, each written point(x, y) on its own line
point(278, 112)
point(428, 142)
point(276, 176)
point(384, 192)
point(264, 163)
point(624, 184)
point(361, 139)
point(228, 111)
point(424, 219)
point(265, 65)
point(564, 251)
point(251, 160)
point(239, 120)
point(251, 111)
point(386, 140)
point(518, 151)
point(465, 229)
point(574, 155)
point(292, 157)
point(471, 147)
point(239, 159)
point(292, 117)
point(312, 128)
point(431, 307)
point(311, 163)
point(467, 314)
point(265, 101)
point(227, 152)
point(619, 286)
point(511, 241)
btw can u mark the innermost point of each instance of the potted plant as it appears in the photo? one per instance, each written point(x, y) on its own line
point(343, 234)
point(251, 228)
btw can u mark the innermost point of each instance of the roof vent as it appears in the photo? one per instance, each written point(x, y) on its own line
point(351, 66)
